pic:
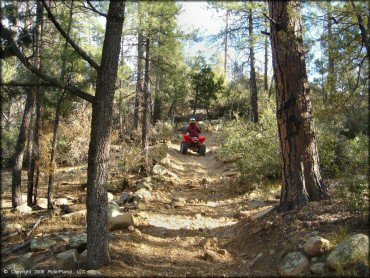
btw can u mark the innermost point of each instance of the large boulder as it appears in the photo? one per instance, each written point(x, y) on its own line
point(142, 195)
point(121, 221)
point(42, 244)
point(353, 250)
point(124, 198)
point(68, 259)
point(113, 209)
point(24, 209)
point(316, 246)
point(79, 241)
point(294, 264)
point(110, 197)
point(317, 268)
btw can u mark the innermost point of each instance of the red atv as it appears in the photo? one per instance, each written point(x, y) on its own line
point(196, 144)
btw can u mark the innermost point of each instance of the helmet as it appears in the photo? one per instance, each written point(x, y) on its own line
point(192, 120)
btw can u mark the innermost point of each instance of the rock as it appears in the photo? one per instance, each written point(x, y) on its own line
point(12, 228)
point(124, 198)
point(24, 209)
point(211, 204)
point(43, 203)
point(113, 209)
point(272, 252)
point(222, 252)
point(162, 171)
point(20, 265)
point(198, 216)
point(42, 244)
point(93, 272)
point(137, 232)
point(62, 237)
point(316, 246)
point(293, 264)
point(178, 204)
point(317, 268)
point(121, 221)
point(142, 195)
point(131, 228)
point(255, 203)
point(262, 213)
point(76, 214)
point(78, 241)
point(82, 258)
point(211, 256)
point(62, 201)
point(167, 206)
point(349, 252)
point(110, 197)
point(68, 259)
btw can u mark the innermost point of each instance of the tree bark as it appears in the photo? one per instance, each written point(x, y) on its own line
point(331, 73)
point(302, 180)
point(101, 125)
point(144, 135)
point(53, 151)
point(265, 78)
point(226, 44)
point(253, 82)
point(19, 151)
point(34, 159)
point(139, 81)
point(57, 116)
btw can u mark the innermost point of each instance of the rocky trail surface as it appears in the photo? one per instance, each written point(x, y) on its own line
point(187, 221)
point(190, 217)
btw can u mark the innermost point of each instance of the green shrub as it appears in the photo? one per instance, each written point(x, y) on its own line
point(8, 142)
point(254, 147)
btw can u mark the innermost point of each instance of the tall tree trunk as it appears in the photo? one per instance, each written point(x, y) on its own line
point(34, 163)
point(331, 73)
point(226, 44)
point(53, 151)
point(139, 81)
point(157, 105)
point(30, 168)
point(57, 116)
point(19, 150)
point(144, 134)
point(101, 125)
point(265, 78)
point(34, 140)
point(302, 180)
point(36, 147)
point(253, 82)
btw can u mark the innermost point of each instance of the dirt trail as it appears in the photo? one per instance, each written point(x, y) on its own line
point(172, 241)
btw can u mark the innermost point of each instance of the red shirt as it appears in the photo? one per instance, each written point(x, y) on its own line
point(193, 130)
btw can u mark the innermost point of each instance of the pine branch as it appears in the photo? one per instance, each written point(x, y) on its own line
point(8, 36)
point(82, 53)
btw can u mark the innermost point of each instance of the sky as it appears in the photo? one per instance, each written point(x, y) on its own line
point(196, 15)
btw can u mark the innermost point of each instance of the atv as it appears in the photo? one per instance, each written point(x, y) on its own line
point(194, 143)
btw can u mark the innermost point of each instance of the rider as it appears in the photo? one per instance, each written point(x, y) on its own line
point(193, 129)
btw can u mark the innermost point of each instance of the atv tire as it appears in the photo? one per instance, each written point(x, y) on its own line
point(202, 150)
point(184, 148)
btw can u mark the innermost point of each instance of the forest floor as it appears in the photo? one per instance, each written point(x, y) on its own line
point(219, 231)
